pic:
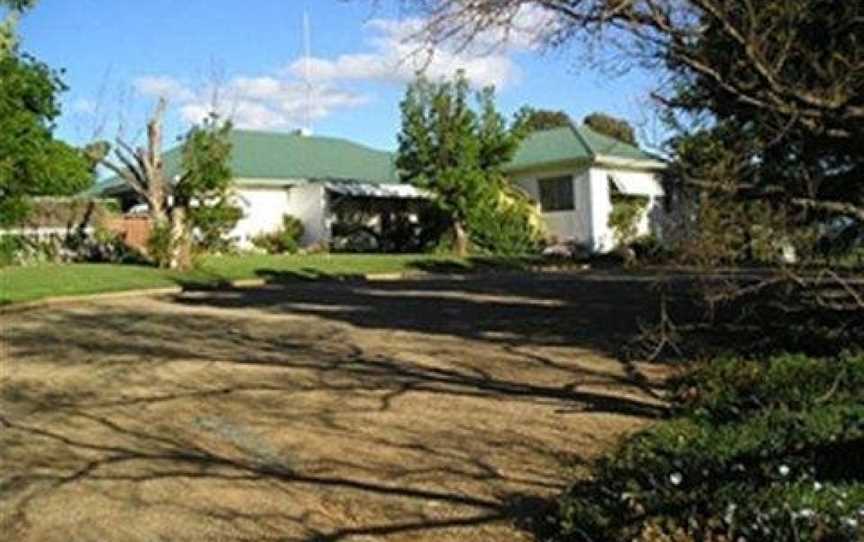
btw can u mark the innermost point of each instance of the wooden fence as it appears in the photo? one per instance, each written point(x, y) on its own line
point(134, 230)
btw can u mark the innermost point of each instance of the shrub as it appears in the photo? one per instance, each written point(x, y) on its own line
point(624, 218)
point(68, 212)
point(503, 233)
point(212, 224)
point(77, 245)
point(106, 246)
point(507, 225)
point(10, 248)
point(764, 451)
point(160, 245)
point(730, 389)
point(286, 240)
point(649, 249)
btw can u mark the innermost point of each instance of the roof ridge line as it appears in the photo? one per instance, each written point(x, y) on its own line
point(582, 139)
point(293, 134)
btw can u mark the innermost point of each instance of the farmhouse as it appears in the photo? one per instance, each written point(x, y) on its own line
point(573, 174)
point(299, 175)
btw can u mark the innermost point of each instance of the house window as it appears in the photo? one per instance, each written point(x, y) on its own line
point(556, 193)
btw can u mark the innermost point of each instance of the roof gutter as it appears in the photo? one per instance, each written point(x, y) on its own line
point(629, 163)
point(579, 163)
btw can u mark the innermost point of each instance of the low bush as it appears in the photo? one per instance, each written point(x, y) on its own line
point(286, 240)
point(507, 226)
point(212, 225)
point(68, 212)
point(762, 451)
point(504, 234)
point(98, 245)
point(160, 245)
point(10, 248)
point(648, 249)
point(626, 213)
point(730, 389)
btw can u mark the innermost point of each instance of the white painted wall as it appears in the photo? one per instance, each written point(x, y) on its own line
point(588, 222)
point(564, 225)
point(264, 207)
point(262, 212)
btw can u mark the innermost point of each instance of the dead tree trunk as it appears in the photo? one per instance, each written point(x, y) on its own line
point(144, 171)
point(158, 190)
point(460, 239)
point(181, 257)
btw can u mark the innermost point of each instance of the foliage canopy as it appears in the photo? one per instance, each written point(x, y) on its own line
point(32, 162)
point(458, 153)
point(530, 119)
point(615, 128)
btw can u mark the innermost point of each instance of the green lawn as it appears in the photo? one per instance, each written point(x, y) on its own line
point(18, 284)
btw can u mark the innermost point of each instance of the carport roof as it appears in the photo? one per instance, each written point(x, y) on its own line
point(379, 190)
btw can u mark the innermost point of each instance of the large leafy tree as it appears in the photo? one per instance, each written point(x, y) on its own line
point(613, 127)
point(32, 162)
point(457, 153)
point(534, 120)
point(8, 26)
point(204, 189)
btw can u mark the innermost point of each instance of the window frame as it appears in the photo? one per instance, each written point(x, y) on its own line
point(558, 194)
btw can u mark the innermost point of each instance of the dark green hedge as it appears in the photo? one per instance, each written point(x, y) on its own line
point(67, 212)
point(763, 451)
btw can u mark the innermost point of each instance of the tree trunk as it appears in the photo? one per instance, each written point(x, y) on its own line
point(181, 253)
point(153, 166)
point(460, 239)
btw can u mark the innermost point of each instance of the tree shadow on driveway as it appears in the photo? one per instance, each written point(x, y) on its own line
point(419, 410)
point(598, 311)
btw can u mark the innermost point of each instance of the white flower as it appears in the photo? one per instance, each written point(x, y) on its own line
point(806, 513)
point(784, 470)
point(729, 517)
point(851, 523)
point(817, 486)
point(676, 478)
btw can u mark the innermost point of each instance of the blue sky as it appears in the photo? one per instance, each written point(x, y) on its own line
point(119, 55)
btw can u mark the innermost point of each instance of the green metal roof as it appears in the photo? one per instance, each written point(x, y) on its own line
point(262, 158)
point(276, 158)
point(269, 155)
point(571, 144)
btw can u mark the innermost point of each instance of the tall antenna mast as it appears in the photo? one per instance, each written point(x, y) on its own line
point(307, 74)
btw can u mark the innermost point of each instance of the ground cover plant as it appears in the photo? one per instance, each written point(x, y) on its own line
point(763, 450)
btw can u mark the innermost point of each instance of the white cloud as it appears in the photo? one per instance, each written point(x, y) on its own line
point(164, 87)
point(396, 51)
point(400, 50)
point(264, 102)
